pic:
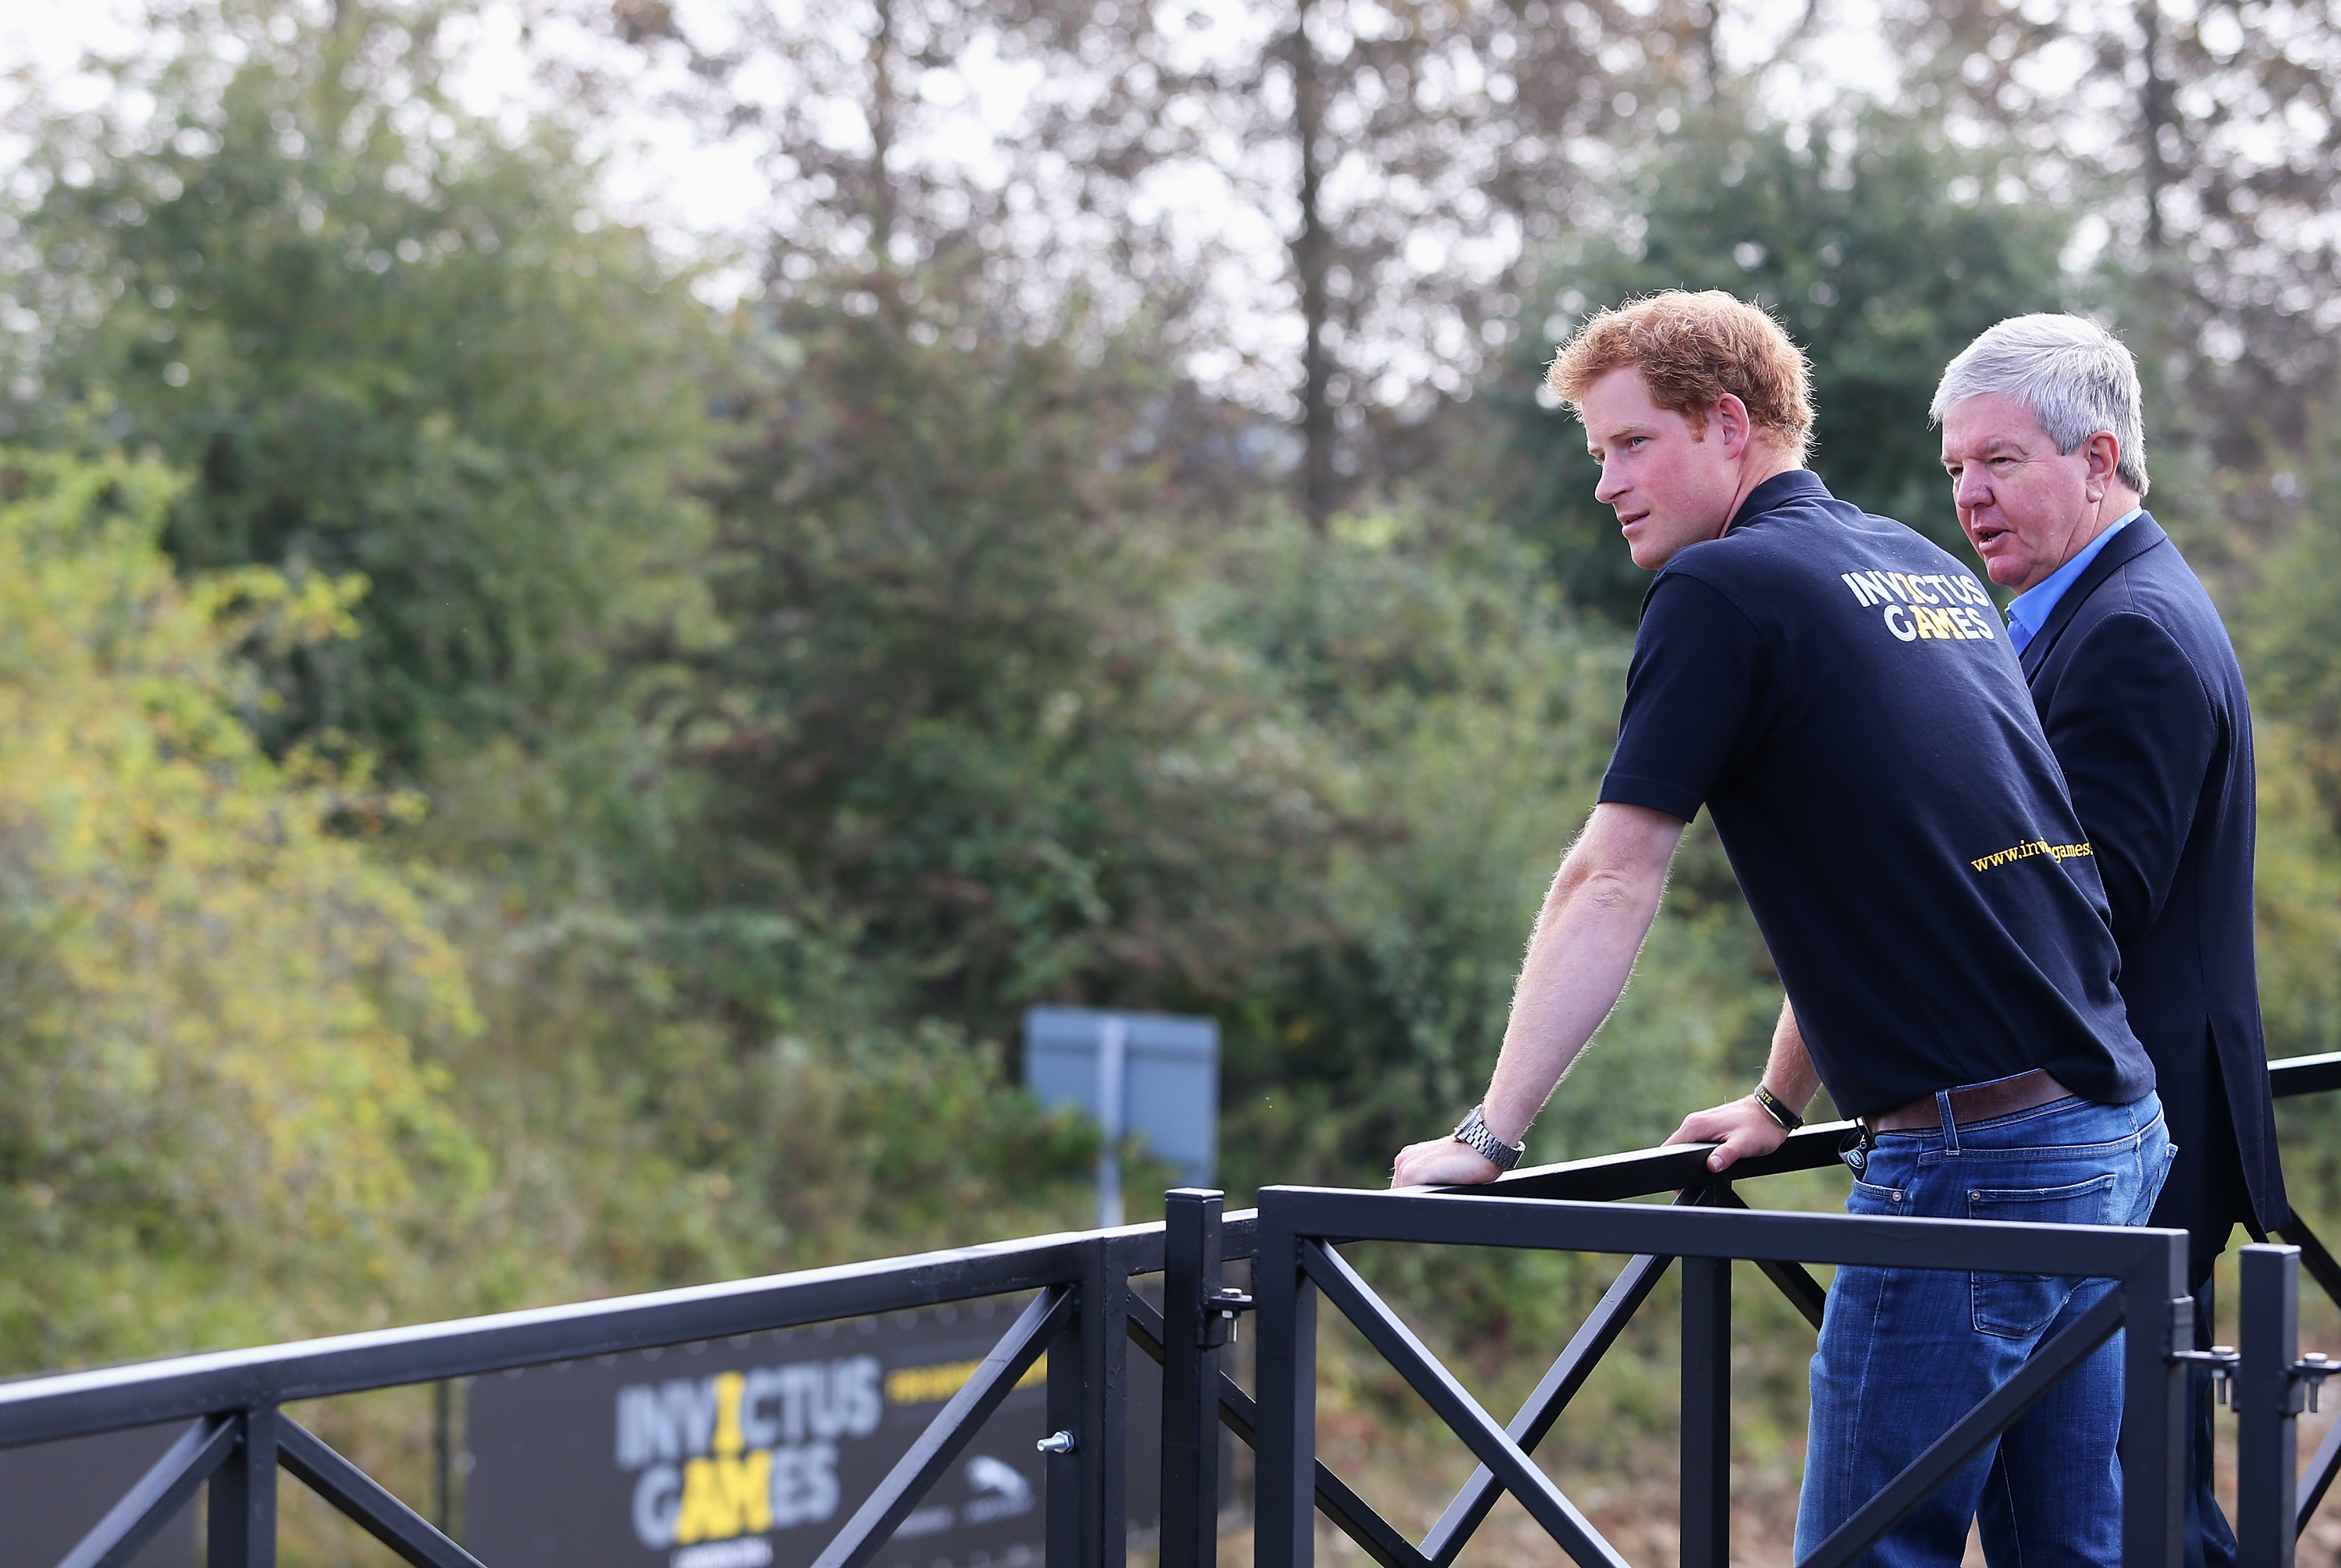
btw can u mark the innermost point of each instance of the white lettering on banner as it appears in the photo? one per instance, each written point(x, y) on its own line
point(747, 1552)
point(672, 1419)
point(742, 1453)
point(932, 1520)
point(658, 1498)
point(1006, 1493)
point(804, 1485)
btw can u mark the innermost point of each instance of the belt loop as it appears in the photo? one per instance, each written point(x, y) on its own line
point(1951, 1127)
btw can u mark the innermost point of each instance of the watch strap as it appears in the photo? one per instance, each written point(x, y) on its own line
point(1778, 1109)
point(1472, 1132)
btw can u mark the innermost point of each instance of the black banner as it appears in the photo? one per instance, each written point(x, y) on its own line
point(53, 1494)
point(750, 1452)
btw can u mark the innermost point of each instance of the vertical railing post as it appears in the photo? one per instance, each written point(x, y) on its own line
point(2267, 1405)
point(1285, 1528)
point(2154, 1406)
point(1064, 1470)
point(1191, 1334)
point(242, 1505)
point(1104, 1451)
point(1706, 1413)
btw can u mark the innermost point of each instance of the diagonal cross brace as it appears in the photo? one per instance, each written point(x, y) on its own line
point(873, 1523)
point(2314, 1258)
point(1543, 1407)
point(2318, 1479)
point(1240, 1414)
point(1560, 1384)
point(365, 1499)
point(1795, 1281)
point(146, 1507)
point(1454, 1404)
point(2002, 1408)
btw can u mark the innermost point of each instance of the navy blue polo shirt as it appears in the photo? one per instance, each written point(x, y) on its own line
point(1839, 694)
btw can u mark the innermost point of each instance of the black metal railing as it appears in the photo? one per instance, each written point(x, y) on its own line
point(1084, 1314)
point(1297, 1263)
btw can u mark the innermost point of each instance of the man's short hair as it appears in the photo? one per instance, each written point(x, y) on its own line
point(1692, 349)
point(2076, 377)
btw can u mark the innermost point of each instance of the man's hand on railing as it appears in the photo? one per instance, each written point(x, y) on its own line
point(1441, 1162)
point(1739, 1129)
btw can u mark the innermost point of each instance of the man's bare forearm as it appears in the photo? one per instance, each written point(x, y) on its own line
point(1592, 925)
point(1788, 1071)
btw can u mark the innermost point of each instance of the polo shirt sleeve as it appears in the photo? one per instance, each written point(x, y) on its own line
point(1690, 698)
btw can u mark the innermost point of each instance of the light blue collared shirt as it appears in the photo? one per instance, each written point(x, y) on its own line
point(2029, 610)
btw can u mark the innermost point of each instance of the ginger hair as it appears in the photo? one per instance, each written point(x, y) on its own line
point(1691, 349)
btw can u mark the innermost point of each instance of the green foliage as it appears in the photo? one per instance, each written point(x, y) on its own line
point(386, 341)
point(753, 768)
point(2293, 659)
point(958, 720)
point(1883, 251)
point(1473, 719)
point(214, 1123)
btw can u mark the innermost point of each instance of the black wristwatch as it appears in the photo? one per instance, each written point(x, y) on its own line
point(1472, 1132)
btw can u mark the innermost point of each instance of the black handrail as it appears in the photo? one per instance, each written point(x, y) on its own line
point(1084, 1315)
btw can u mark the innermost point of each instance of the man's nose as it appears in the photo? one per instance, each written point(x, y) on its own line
point(1609, 489)
point(1969, 491)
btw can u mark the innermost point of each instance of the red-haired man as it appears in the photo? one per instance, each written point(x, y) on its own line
point(1836, 691)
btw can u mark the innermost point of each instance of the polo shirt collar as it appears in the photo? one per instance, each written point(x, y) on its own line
point(2029, 610)
point(1790, 484)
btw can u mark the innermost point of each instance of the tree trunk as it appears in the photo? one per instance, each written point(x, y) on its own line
point(1313, 260)
point(2158, 110)
point(883, 116)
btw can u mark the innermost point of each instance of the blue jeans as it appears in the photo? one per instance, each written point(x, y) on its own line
point(1904, 1352)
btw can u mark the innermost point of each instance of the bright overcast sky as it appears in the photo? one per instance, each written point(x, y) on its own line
point(657, 168)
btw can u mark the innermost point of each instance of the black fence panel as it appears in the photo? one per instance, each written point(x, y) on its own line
point(1086, 1315)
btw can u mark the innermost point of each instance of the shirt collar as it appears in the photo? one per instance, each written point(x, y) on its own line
point(2029, 610)
point(1789, 484)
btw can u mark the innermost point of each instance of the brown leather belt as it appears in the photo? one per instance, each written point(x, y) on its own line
point(1979, 1103)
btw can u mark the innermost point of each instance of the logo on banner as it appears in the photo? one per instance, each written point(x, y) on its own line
point(742, 1453)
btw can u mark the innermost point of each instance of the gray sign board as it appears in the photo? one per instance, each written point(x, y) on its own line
point(750, 1452)
point(1168, 1076)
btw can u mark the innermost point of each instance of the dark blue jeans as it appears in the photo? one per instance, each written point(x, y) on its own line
point(1904, 1352)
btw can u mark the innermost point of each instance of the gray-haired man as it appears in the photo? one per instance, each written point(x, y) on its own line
point(2137, 688)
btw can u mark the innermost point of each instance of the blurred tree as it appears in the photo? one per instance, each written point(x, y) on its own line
point(2286, 632)
point(386, 339)
point(1882, 248)
point(2201, 138)
point(1473, 717)
point(219, 1116)
point(1347, 188)
point(958, 720)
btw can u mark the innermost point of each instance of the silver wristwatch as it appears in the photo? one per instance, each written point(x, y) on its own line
point(1472, 1131)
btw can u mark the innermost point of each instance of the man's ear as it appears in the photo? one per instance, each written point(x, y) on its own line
point(2103, 451)
point(1732, 423)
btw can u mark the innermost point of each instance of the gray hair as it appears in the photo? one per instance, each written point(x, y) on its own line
point(2076, 377)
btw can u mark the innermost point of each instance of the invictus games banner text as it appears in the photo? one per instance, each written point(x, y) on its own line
point(750, 1452)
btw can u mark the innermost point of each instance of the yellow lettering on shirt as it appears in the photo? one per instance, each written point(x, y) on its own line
point(2028, 849)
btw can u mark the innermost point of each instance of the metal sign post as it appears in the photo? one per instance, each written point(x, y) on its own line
point(1152, 1076)
point(1113, 1055)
